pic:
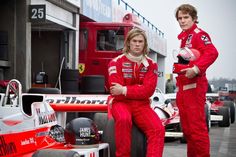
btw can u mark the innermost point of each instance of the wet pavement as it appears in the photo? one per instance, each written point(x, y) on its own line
point(223, 143)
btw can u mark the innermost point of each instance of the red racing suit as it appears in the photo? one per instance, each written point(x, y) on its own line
point(140, 82)
point(191, 95)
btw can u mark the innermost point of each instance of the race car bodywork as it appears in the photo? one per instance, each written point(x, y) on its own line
point(29, 127)
point(169, 114)
point(222, 112)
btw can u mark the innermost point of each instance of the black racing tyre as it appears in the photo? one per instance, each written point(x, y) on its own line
point(69, 87)
point(225, 112)
point(182, 139)
point(70, 74)
point(92, 84)
point(55, 152)
point(109, 136)
point(208, 117)
point(101, 120)
point(138, 147)
point(70, 81)
point(231, 105)
point(44, 90)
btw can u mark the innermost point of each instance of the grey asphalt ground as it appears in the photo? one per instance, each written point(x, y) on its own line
point(223, 143)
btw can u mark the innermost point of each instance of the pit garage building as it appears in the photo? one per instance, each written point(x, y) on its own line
point(35, 35)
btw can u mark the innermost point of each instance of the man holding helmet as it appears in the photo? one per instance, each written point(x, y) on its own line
point(191, 80)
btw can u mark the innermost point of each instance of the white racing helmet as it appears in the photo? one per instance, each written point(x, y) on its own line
point(188, 54)
point(184, 56)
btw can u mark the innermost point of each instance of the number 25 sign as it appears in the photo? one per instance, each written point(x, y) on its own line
point(37, 13)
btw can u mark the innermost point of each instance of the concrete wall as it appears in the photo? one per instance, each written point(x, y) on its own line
point(13, 16)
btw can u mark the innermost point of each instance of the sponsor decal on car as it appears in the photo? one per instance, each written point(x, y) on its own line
point(7, 148)
point(76, 99)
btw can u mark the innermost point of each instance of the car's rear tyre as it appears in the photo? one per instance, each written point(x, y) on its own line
point(109, 136)
point(208, 117)
point(100, 119)
point(231, 105)
point(182, 139)
point(225, 112)
point(138, 146)
point(55, 152)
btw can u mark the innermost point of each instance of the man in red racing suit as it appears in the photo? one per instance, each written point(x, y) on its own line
point(133, 79)
point(192, 83)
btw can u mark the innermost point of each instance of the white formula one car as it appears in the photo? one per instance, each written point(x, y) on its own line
point(29, 127)
point(169, 114)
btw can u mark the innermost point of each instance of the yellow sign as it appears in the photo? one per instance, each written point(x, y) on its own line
point(81, 68)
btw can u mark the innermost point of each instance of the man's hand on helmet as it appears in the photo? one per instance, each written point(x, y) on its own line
point(191, 72)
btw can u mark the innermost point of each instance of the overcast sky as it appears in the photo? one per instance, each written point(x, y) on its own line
point(216, 17)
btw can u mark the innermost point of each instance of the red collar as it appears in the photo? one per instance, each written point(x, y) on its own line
point(183, 34)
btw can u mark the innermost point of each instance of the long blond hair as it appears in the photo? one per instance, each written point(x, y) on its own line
point(131, 34)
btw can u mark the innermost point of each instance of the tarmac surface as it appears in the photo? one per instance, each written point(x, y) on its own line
point(223, 143)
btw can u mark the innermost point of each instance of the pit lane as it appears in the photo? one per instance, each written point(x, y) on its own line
point(223, 143)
